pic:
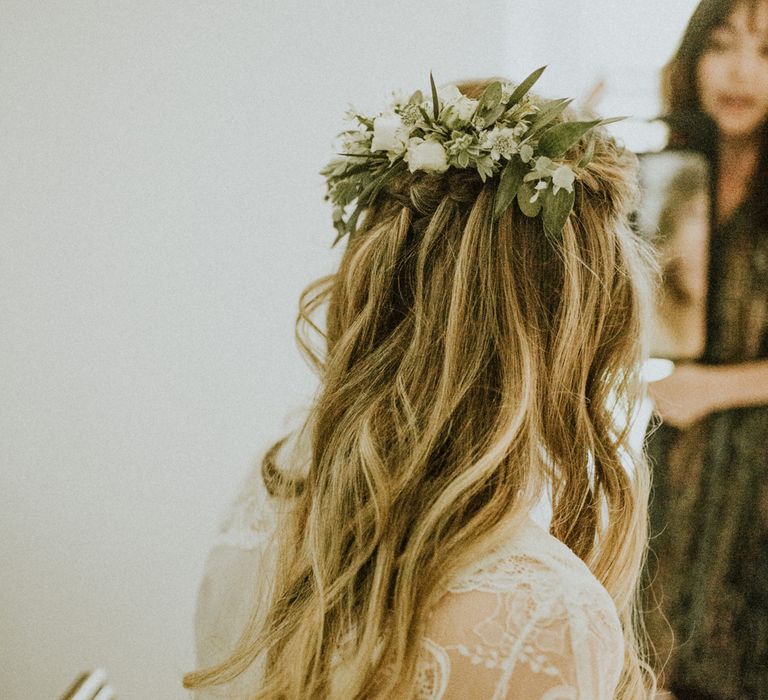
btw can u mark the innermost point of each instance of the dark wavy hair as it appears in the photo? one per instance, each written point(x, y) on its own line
point(691, 127)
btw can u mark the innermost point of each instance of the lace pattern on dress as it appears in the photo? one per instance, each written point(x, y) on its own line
point(528, 615)
point(550, 621)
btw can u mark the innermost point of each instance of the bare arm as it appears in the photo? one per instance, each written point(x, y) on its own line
point(693, 390)
point(745, 384)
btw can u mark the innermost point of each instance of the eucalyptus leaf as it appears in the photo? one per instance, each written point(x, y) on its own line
point(367, 156)
point(435, 102)
point(524, 194)
point(556, 209)
point(559, 138)
point(493, 115)
point(549, 113)
point(522, 89)
point(611, 120)
point(349, 171)
point(509, 183)
point(490, 98)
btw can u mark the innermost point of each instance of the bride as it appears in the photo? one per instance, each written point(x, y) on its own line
point(481, 330)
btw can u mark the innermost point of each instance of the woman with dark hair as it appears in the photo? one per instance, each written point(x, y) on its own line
point(707, 611)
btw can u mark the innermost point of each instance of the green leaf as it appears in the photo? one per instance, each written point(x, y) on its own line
point(493, 115)
point(435, 102)
point(559, 138)
point(341, 232)
point(524, 194)
point(368, 194)
point(511, 179)
point(522, 89)
point(347, 172)
point(556, 208)
point(369, 156)
point(551, 111)
point(364, 121)
point(612, 120)
point(490, 98)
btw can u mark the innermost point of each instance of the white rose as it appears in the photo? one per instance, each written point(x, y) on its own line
point(460, 112)
point(449, 94)
point(389, 133)
point(465, 107)
point(428, 156)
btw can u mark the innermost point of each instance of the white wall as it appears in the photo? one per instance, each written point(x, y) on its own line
point(160, 211)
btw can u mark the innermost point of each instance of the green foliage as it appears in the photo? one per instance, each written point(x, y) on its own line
point(556, 140)
point(506, 133)
point(556, 208)
point(551, 111)
point(525, 193)
point(511, 179)
point(524, 87)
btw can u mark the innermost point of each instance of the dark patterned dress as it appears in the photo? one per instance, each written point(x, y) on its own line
point(707, 572)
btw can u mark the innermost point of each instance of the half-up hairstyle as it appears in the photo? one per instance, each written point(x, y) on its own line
point(466, 363)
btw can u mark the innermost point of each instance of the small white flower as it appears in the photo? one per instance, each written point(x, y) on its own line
point(539, 187)
point(410, 114)
point(478, 123)
point(563, 178)
point(501, 142)
point(526, 153)
point(429, 156)
point(389, 133)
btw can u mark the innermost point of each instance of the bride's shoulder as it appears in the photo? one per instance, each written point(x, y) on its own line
point(530, 620)
point(534, 563)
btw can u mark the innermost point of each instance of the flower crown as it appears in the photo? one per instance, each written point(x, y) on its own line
point(505, 131)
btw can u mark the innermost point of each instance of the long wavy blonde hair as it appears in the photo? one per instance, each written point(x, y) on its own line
point(468, 362)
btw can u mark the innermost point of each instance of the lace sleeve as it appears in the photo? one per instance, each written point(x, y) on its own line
point(237, 574)
point(528, 643)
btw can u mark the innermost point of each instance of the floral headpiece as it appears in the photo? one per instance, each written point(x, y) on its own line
point(505, 132)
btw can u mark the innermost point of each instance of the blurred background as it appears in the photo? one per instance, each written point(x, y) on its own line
point(160, 212)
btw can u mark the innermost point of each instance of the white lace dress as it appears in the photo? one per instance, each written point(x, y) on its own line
point(528, 621)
